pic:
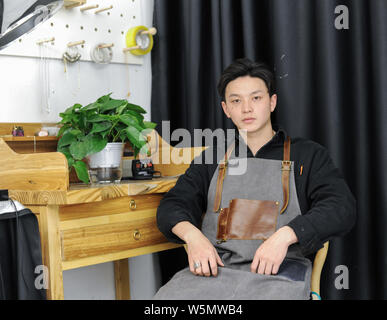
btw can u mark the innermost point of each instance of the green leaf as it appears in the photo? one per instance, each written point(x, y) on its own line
point(105, 134)
point(79, 150)
point(135, 108)
point(94, 144)
point(139, 117)
point(135, 137)
point(74, 120)
point(69, 118)
point(123, 136)
point(135, 152)
point(81, 170)
point(89, 145)
point(91, 106)
point(82, 122)
point(120, 109)
point(130, 120)
point(104, 99)
point(150, 125)
point(62, 130)
point(100, 127)
point(72, 109)
point(66, 139)
point(76, 132)
point(98, 118)
point(112, 104)
point(69, 137)
point(66, 152)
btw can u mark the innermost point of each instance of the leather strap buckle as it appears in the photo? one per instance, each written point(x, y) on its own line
point(286, 165)
point(223, 164)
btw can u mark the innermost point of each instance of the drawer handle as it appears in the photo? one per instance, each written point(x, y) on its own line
point(136, 235)
point(132, 204)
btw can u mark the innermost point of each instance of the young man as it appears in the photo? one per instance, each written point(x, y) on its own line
point(295, 176)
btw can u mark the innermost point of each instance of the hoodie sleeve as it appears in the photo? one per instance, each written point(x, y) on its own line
point(186, 201)
point(332, 210)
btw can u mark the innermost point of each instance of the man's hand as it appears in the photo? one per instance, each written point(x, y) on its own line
point(272, 252)
point(199, 250)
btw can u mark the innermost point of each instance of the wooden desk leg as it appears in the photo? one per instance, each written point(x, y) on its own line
point(121, 277)
point(52, 252)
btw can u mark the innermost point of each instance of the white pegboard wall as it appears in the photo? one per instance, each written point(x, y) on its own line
point(70, 25)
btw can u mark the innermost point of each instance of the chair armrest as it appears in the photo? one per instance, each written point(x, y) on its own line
point(318, 265)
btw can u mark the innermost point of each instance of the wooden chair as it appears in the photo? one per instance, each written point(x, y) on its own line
point(318, 265)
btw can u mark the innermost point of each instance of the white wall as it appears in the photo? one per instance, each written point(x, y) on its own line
point(20, 101)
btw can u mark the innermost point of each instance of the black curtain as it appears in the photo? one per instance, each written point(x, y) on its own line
point(332, 88)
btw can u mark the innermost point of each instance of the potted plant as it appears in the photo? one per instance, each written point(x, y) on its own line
point(94, 131)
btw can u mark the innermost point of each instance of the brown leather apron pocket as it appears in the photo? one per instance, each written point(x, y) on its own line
point(248, 220)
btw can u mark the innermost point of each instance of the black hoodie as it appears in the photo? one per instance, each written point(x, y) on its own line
point(327, 205)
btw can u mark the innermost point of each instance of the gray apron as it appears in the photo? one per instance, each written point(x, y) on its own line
point(262, 180)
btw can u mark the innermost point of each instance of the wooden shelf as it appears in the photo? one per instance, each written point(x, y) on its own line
point(31, 144)
point(29, 138)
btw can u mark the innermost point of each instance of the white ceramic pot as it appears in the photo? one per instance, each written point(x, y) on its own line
point(106, 165)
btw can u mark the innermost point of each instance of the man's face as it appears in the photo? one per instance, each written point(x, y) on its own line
point(249, 104)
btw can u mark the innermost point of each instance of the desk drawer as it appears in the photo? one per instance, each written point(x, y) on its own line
point(110, 207)
point(99, 228)
point(110, 237)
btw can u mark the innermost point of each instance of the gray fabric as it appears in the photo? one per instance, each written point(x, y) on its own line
point(231, 284)
point(262, 180)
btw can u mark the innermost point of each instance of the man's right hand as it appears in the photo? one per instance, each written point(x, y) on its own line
point(199, 250)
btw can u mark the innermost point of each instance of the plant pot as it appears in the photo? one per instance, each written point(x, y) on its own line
point(106, 165)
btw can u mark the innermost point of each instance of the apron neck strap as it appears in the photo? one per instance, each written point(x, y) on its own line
point(222, 172)
point(285, 168)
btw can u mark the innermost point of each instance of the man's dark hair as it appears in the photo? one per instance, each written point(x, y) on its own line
point(245, 67)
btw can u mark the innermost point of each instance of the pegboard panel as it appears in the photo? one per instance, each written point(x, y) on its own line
point(72, 24)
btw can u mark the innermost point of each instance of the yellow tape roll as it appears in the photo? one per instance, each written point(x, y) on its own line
point(134, 38)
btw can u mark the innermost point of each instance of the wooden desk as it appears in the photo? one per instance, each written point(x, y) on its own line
point(88, 225)
point(84, 225)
